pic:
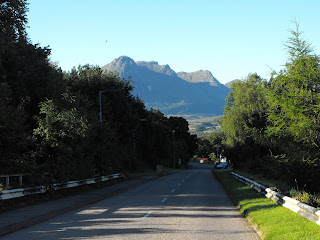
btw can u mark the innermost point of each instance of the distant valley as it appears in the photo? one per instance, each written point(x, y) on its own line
point(192, 95)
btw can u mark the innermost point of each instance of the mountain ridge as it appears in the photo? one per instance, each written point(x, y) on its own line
point(199, 76)
point(161, 88)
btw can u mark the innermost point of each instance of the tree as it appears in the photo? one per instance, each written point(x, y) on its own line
point(25, 67)
point(293, 117)
point(212, 156)
point(27, 77)
point(14, 138)
point(245, 112)
point(71, 141)
point(294, 95)
point(296, 46)
point(204, 148)
point(120, 109)
point(12, 24)
point(217, 138)
point(13, 19)
point(185, 144)
point(244, 122)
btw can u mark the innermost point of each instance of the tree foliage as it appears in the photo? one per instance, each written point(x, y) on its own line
point(245, 112)
point(274, 126)
point(296, 46)
point(14, 138)
point(204, 148)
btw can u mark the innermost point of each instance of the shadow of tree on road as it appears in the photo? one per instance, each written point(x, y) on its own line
point(197, 206)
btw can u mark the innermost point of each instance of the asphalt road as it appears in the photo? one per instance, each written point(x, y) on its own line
point(186, 205)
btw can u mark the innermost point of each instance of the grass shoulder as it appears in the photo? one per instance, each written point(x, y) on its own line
point(271, 220)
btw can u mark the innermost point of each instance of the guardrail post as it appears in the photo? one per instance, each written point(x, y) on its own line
point(7, 181)
point(20, 180)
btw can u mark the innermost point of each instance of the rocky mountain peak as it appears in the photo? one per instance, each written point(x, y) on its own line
point(199, 76)
point(154, 66)
point(123, 65)
point(123, 60)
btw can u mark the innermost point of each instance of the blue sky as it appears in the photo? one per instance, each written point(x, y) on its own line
point(230, 38)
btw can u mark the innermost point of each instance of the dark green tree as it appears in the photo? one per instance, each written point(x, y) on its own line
point(69, 137)
point(14, 139)
point(245, 112)
point(244, 121)
point(294, 95)
point(120, 109)
point(25, 67)
point(26, 77)
point(185, 144)
point(293, 117)
point(204, 148)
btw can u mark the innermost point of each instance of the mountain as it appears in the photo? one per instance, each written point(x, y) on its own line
point(228, 84)
point(199, 76)
point(161, 88)
point(154, 66)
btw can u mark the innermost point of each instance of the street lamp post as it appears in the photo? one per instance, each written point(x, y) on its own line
point(100, 115)
point(100, 92)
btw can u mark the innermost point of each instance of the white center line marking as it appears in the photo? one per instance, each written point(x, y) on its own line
point(163, 200)
point(148, 214)
point(173, 190)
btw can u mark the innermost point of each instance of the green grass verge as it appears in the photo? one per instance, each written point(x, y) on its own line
point(271, 220)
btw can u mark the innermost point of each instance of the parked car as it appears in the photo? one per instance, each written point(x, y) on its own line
point(222, 165)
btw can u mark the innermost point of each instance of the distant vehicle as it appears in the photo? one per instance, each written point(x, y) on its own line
point(222, 165)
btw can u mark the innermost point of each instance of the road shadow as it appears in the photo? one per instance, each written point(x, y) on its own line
point(124, 215)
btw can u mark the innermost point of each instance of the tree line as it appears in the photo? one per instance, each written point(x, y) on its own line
point(273, 126)
point(50, 119)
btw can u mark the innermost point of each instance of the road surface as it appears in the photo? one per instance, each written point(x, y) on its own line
point(189, 204)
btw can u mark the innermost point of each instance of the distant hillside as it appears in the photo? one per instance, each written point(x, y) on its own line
point(228, 84)
point(203, 127)
point(161, 88)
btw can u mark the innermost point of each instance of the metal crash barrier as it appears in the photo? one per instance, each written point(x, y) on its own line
point(304, 210)
point(21, 192)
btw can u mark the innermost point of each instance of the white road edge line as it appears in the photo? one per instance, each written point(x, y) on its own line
point(163, 200)
point(148, 214)
point(173, 190)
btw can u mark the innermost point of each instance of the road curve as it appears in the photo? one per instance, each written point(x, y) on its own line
point(187, 205)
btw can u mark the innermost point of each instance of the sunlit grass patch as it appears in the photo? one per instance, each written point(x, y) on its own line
point(272, 220)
